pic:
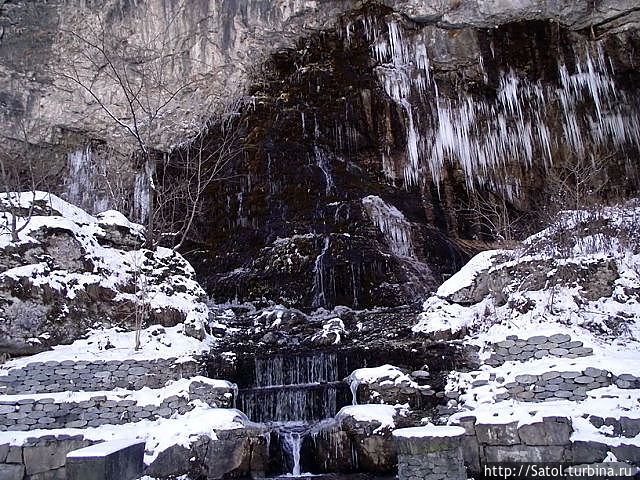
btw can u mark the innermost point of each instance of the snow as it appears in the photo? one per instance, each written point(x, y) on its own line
point(144, 397)
point(429, 431)
point(159, 435)
point(607, 322)
point(115, 218)
point(465, 277)
point(382, 374)
point(159, 278)
point(155, 342)
point(103, 449)
point(382, 414)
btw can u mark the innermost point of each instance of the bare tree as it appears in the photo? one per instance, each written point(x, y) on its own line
point(186, 175)
point(579, 183)
point(131, 77)
point(492, 213)
point(21, 170)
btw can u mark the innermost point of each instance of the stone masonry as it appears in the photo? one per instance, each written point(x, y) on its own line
point(46, 377)
point(46, 413)
point(430, 456)
point(539, 346)
point(39, 458)
point(548, 440)
point(554, 385)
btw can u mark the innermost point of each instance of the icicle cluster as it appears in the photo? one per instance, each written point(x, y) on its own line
point(519, 127)
point(392, 223)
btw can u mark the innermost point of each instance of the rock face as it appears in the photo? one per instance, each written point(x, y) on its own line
point(220, 41)
point(380, 140)
point(70, 271)
point(370, 166)
point(233, 453)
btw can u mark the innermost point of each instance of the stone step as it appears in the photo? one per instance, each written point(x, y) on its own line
point(518, 349)
point(86, 409)
point(75, 376)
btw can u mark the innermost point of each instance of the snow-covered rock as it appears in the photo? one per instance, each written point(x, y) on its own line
point(581, 271)
point(69, 272)
point(556, 325)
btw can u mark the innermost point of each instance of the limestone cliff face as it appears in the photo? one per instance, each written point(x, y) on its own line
point(378, 137)
point(221, 42)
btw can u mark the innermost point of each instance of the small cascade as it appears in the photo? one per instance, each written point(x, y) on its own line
point(291, 393)
point(319, 292)
point(292, 444)
point(302, 387)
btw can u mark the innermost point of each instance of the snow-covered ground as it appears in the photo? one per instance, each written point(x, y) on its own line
point(581, 277)
point(73, 265)
point(155, 342)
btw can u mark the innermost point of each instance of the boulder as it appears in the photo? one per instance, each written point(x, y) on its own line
point(546, 433)
point(11, 472)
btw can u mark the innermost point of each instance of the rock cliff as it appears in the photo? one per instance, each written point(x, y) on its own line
point(381, 142)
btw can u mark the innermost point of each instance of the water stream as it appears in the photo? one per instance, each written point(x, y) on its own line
point(291, 393)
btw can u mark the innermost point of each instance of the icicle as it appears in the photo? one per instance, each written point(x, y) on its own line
point(391, 223)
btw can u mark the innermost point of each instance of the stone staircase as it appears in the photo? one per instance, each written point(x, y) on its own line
point(42, 398)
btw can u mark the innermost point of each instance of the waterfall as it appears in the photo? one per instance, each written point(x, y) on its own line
point(296, 369)
point(291, 393)
point(292, 388)
point(319, 294)
point(292, 444)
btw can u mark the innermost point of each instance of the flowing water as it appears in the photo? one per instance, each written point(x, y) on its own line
point(291, 393)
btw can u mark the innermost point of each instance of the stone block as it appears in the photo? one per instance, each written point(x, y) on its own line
point(11, 472)
point(583, 379)
point(588, 452)
point(545, 433)
point(4, 450)
point(559, 352)
point(582, 351)
point(537, 340)
point(119, 459)
point(526, 379)
point(630, 427)
point(560, 338)
point(471, 453)
point(14, 455)
point(525, 453)
point(498, 434)
point(7, 409)
point(627, 453)
point(48, 455)
point(594, 372)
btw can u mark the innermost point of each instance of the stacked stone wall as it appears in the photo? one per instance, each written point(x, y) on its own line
point(46, 413)
point(70, 375)
point(554, 385)
point(540, 346)
point(548, 440)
